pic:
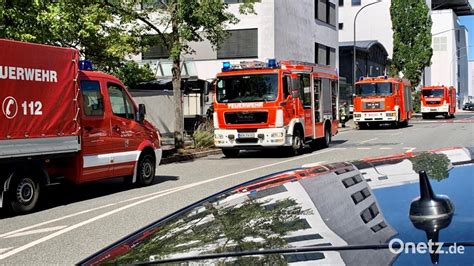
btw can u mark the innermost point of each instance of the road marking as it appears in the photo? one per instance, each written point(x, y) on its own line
point(364, 148)
point(101, 216)
point(37, 231)
point(395, 134)
point(2, 250)
point(54, 220)
point(386, 148)
point(369, 140)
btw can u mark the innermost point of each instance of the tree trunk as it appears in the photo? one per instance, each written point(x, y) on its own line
point(177, 95)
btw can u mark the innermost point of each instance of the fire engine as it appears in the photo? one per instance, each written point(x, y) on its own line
point(275, 104)
point(379, 100)
point(61, 121)
point(438, 100)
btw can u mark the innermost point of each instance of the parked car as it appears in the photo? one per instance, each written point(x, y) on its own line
point(355, 213)
point(468, 106)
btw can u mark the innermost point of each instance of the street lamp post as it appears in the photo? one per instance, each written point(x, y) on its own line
point(354, 73)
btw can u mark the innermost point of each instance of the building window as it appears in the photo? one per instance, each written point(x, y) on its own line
point(341, 26)
point(325, 11)
point(156, 51)
point(341, 2)
point(439, 43)
point(356, 2)
point(324, 55)
point(240, 44)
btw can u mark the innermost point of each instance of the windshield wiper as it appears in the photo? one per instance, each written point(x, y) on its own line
point(289, 251)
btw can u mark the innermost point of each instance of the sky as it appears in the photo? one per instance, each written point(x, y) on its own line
point(468, 21)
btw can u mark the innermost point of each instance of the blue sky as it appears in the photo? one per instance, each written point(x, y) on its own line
point(468, 21)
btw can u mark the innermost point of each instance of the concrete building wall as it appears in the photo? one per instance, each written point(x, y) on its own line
point(297, 31)
point(471, 80)
point(373, 23)
point(450, 48)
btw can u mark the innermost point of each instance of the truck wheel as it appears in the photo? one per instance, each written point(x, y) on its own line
point(230, 153)
point(297, 143)
point(24, 193)
point(446, 115)
point(146, 170)
point(324, 142)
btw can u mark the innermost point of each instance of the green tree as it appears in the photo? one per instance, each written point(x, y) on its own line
point(416, 101)
point(90, 26)
point(177, 23)
point(106, 31)
point(411, 24)
point(130, 73)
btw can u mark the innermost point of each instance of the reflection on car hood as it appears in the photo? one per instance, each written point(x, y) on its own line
point(333, 205)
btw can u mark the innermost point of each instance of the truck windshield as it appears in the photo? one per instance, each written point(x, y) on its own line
point(247, 88)
point(432, 93)
point(374, 89)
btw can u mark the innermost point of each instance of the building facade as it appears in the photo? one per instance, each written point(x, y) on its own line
point(303, 30)
point(449, 64)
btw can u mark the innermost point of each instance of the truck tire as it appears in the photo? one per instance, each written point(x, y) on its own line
point(24, 192)
point(297, 144)
point(326, 140)
point(146, 170)
point(230, 153)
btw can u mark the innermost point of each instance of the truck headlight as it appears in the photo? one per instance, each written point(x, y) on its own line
point(279, 122)
point(389, 114)
point(219, 136)
point(214, 120)
point(358, 115)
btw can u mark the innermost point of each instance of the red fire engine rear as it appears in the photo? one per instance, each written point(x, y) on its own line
point(286, 104)
point(438, 100)
point(382, 100)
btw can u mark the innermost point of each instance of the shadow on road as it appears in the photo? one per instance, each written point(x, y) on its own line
point(64, 194)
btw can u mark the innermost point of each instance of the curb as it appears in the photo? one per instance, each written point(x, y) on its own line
point(189, 157)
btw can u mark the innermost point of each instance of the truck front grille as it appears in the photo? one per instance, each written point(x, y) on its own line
point(433, 102)
point(236, 118)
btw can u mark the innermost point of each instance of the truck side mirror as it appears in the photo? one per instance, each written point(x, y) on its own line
point(141, 113)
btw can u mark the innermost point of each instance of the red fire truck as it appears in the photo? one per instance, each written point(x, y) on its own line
point(264, 105)
point(380, 100)
point(59, 122)
point(438, 100)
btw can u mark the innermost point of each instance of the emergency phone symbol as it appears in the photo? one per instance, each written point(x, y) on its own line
point(10, 107)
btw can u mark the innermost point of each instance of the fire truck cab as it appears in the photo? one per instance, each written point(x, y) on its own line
point(276, 104)
point(379, 100)
point(438, 100)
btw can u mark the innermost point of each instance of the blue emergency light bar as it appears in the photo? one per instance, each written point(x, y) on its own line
point(271, 63)
point(85, 65)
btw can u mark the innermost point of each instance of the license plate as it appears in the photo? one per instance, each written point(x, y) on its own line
point(246, 135)
point(373, 114)
point(433, 110)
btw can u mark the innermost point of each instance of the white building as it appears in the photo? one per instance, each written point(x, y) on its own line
point(282, 29)
point(471, 81)
point(450, 48)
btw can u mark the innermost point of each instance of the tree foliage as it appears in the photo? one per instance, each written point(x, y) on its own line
point(411, 24)
point(435, 165)
point(107, 31)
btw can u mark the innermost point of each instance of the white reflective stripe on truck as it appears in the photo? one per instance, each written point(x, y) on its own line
point(111, 158)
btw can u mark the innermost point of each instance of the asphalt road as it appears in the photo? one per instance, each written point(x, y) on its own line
point(74, 222)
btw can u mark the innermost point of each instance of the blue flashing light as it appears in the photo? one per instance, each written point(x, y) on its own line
point(385, 77)
point(361, 78)
point(272, 63)
point(85, 65)
point(226, 66)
